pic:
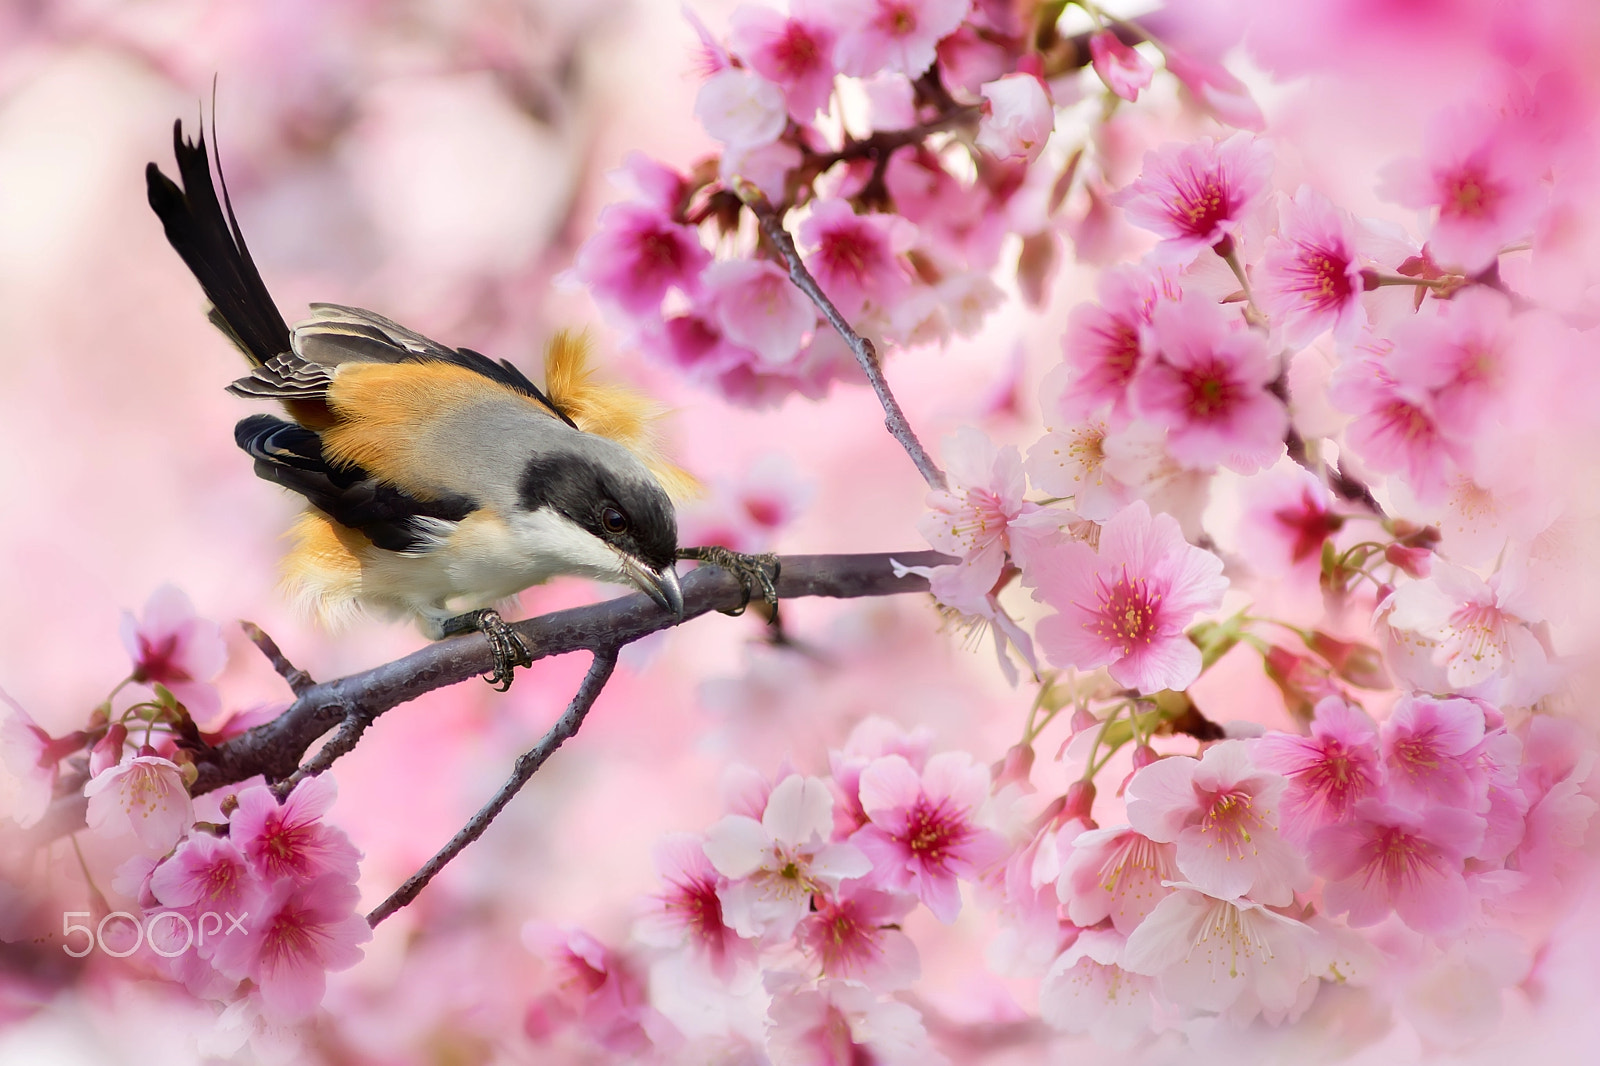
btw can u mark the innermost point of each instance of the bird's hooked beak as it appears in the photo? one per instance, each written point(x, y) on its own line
point(660, 585)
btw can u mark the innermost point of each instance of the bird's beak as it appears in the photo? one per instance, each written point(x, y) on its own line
point(660, 585)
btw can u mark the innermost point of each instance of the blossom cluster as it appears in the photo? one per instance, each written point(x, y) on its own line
point(240, 896)
point(907, 138)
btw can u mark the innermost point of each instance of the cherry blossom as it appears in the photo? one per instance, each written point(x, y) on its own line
point(1384, 858)
point(1396, 429)
point(1289, 514)
point(839, 1022)
point(173, 647)
point(31, 765)
point(1309, 279)
point(855, 257)
point(688, 911)
point(1125, 606)
point(776, 865)
point(1428, 746)
point(207, 873)
point(302, 930)
point(144, 795)
point(1207, 383)
point(1197, 196)
point(637, 254)
point(741, 108)
point(1208, 953)
point(794, 52)
point(1122, 68)
point(1087, 991)
point(1102, 341)
point(1019, 118)
point(893, 35)
point(290, 839)
point(759, 309)
point(855, 935)
point(923, 834)
point(1476, 634)
point(1222, 812)
point(1115, 873)
point(1485, 195)
point(1327, 773)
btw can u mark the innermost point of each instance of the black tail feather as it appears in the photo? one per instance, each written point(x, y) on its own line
point(204, 231)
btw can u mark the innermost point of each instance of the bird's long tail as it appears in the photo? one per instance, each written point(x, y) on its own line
point(205, 233)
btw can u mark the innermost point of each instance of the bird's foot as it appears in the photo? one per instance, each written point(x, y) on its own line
point(751, 571)
point(509, 650)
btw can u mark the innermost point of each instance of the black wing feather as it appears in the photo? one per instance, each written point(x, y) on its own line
point(205, 233)
point(290, 455)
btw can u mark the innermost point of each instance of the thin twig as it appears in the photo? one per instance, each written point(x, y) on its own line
point(605, 660)
point(276, 748)
point(866, 355)
point(297, 678)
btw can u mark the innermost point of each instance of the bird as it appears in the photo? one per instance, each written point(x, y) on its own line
point(439, 483)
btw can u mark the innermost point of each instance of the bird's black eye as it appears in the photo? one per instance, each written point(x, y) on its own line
point(613, 520)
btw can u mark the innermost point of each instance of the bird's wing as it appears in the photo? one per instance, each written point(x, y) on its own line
point(336, 335)
point(607, 410)
point(292, 456)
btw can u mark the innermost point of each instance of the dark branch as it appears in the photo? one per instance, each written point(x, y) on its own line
point(298, 680)
point(276, 748)
point(605, 660)
point(866, 355)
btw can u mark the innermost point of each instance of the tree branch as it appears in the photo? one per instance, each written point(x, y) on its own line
point(275, 749)
point(605, 660)
point(866, 355)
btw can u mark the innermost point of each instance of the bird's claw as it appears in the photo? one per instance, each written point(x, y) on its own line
point(504, 642)
point(750, 571)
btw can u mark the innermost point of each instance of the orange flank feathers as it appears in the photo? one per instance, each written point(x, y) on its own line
point(322, 572)
point(612, 411)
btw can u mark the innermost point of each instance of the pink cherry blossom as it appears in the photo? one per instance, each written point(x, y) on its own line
point(740, 108)
point(1395, 429)
point(1461, 356)
point(1019, 117)
point(599, 990)
point(871, 739)
point(855, 935)
point(1209, 954)
point(301, 931)
point(795, 52)
point(1428, 746)
point(173, 647)
point(290, 839)
point(840, 1023)
point(747, 512)
point(968, 59)
point(952, 588)
point(1102, 340)
point(144, 795)
point(982, 517)
point(1309, 278)
point(776, 865)
point(1222, 812)
point(759, 309)
point(1224, 95)
point(1486, 194)
point(1071, 463)
point(1196, 196)
point(207, 873)
point(688, 911)
point(1288, 516)
point(1207, 383)
point(855, 258)
point(1087, 991)
point(893, 35)
point(1125, 607)
point(1328, 773)
point(1476, 633)
point(924, 835)
point(1115, 873)
point(1385, 858)
point(636, 255)
point(1122, 68)
point(31, 761)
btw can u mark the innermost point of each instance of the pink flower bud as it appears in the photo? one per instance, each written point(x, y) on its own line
point(107, 751)
point(1014, 767)
point(1018, 119)
point(1418, 562)
point(1080, 801)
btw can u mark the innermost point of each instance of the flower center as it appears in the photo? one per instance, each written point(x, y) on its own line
point(1201, 204)
point(1128, 613)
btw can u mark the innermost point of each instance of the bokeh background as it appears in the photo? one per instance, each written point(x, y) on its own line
point(440, 162)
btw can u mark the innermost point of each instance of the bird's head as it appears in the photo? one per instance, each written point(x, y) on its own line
point(612, 519)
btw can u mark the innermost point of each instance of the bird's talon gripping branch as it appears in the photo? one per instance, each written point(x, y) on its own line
point(509, 650)
point(749, 570)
